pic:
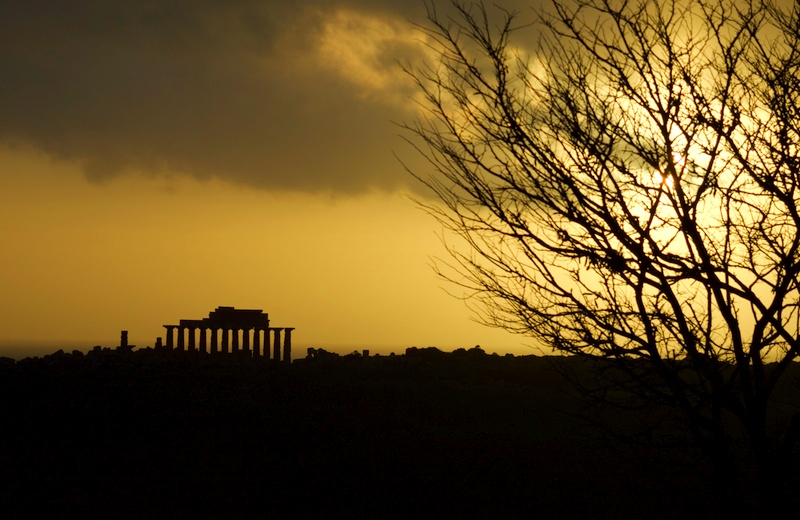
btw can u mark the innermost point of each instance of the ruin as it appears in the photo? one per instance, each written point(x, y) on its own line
point(244, 332)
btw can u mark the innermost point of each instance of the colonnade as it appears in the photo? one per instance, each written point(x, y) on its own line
point(250, 342)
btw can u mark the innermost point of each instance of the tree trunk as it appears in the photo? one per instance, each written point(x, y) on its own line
point(726, 485)
point(771, 475)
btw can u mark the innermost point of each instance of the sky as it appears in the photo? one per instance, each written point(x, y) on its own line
point(160, 159)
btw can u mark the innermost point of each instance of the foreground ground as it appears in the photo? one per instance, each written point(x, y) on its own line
point(424, 435)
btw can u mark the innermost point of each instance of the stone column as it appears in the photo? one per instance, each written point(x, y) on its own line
point(235, 346)
point(192, 345)
point(246, 340)
point(276, 345)
point(181, 339)
point(256, 342)
point(266, 342)
point(287, 345)
point(169, 335)
point(225, 337)
point(214, 346)
point(203, 346)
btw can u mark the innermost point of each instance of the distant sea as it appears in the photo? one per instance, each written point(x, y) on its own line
point(21, 349)
point(37, 348)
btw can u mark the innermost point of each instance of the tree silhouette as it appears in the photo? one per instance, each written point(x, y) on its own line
point(623, 178)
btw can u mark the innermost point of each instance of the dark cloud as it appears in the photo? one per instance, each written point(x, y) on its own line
point(273, 94)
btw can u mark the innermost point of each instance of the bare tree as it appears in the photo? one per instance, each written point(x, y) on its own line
point(625, 175)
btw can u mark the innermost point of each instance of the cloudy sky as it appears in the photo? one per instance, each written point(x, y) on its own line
point(162, 158)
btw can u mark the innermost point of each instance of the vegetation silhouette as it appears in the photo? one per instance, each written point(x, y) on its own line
point(621, 182)
point(142, 433)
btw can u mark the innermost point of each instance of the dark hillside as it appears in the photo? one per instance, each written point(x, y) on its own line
point(425, 435)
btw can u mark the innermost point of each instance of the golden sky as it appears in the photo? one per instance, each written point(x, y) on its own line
point(159, 159)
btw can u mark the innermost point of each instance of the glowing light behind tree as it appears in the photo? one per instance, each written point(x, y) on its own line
point(630, 193)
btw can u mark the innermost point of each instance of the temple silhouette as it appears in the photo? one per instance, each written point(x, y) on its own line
point(229, 330)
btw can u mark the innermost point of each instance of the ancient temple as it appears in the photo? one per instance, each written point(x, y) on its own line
point(227, 330)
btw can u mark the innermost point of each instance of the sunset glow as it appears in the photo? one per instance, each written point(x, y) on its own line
point(154, 167)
